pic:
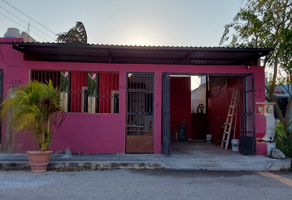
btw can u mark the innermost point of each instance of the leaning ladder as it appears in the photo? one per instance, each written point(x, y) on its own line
point(232, 111)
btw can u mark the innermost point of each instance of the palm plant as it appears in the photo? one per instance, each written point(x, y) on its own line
point(76, 35)
point(35, 108)
point(64, 85)
point(91, 85)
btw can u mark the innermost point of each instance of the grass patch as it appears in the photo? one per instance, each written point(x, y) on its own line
point(286, 169)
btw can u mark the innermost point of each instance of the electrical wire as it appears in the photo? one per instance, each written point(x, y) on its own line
point(28, 17)
point(26, 22)
point(23, 26)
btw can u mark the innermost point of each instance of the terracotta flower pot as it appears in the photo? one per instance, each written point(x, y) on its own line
point(39, 160)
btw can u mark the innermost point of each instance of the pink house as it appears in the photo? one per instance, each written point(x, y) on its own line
point(134, 99)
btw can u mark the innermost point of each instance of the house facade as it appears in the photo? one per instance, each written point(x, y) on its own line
point(133, 99)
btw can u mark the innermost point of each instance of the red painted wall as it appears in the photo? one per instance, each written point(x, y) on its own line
point(180, 102)
point(107, 82)
point(219, 100)
point(100, 133)
point(78, 80)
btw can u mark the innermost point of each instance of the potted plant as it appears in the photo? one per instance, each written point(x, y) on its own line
point(35, 108)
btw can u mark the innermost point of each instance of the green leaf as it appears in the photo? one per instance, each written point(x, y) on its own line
point(32, 106)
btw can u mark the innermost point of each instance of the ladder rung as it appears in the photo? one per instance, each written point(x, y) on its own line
point(229, 121)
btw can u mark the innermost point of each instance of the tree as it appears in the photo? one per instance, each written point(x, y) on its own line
point(267, 24)
point(76, 35)
point(35, 108)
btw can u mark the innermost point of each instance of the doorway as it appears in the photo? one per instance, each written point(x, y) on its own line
point(195, 117)
point(140, 113)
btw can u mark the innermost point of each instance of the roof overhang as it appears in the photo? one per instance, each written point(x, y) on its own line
point(57, 52)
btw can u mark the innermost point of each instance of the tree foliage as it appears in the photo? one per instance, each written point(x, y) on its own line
point(76, 35)
point(34, 108)
point(266, 24)
point(280, 132)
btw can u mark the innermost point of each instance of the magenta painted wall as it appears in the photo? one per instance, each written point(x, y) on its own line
point(180, 102)
point(100, 133)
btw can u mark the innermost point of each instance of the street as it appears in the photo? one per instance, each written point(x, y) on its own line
point(145, 184)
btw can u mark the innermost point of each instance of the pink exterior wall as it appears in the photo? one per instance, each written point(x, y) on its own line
point(100, 133)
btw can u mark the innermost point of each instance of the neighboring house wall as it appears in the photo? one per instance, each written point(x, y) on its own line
point(282, 96)
point(198, 96)
point(97, 132)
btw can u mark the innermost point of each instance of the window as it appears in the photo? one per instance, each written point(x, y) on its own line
point(89, 92)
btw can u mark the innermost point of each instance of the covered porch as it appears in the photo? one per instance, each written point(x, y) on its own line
point(103, 130)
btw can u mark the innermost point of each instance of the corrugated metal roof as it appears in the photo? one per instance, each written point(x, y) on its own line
point(57, 52)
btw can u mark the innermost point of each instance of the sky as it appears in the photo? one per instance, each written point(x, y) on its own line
point(124, 22)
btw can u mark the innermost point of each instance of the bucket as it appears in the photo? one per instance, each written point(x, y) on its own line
point(208, 138)
point(235, 144)
point(176, 135)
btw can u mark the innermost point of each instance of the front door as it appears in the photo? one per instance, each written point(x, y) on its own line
point(140, 113)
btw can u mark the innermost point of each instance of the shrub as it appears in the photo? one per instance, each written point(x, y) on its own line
point(283, 141)
point(280, 132)
point(285, 145)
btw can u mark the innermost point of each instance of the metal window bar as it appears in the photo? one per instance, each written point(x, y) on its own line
point(81, 92)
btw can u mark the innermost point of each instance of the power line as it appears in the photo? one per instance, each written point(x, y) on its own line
point(25, 22)
point(28, 16)
point(22, 26)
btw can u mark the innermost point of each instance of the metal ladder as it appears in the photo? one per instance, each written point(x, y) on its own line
point(229, 120)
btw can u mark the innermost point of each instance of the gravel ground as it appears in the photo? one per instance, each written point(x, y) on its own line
point(144, 184)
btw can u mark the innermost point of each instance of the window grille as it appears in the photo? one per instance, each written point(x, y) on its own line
point(140, 103)
point(87, 92)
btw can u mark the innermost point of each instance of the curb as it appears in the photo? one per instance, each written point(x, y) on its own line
point(82, 166)
point(111, 165)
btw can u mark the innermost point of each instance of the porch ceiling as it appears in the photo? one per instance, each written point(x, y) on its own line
point(57, 52)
